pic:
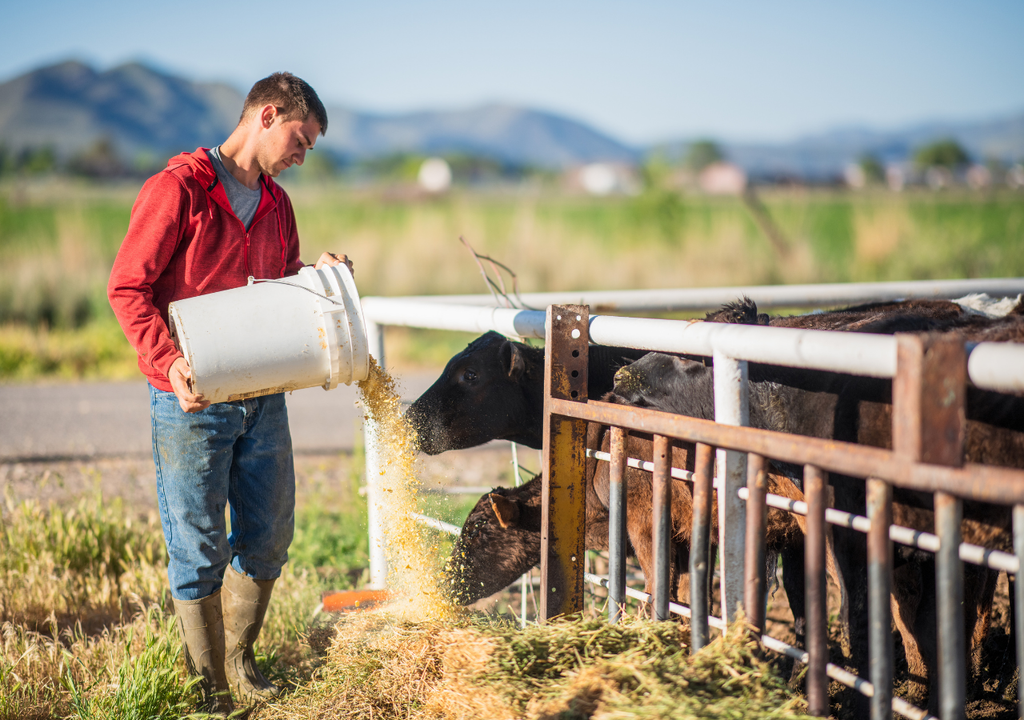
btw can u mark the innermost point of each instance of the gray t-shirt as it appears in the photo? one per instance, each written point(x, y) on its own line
point(243, 200)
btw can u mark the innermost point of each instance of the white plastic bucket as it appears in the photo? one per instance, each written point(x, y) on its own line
point(273, 336)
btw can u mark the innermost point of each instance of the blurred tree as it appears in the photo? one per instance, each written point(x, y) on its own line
point(871, 166)
point(946, 153)
point(659, 204)
point(702, 153)
point(395, 167)
point(317, 167)
point(36, 161)
point(99, 160)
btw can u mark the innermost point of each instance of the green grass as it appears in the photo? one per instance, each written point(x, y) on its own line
point(58, 242)
point(85, 623)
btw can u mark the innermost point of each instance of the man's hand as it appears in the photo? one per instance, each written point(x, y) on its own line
point(180, 375)
point(330, 259)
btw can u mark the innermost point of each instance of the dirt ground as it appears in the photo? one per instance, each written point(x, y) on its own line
point(132, 479)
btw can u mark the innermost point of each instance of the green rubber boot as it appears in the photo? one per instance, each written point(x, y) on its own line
point(202, 631)
point(245, 605)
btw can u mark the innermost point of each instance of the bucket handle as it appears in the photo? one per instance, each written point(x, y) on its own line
point(253, 280)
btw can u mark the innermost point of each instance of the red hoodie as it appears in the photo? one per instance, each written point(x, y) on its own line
point(184, 240)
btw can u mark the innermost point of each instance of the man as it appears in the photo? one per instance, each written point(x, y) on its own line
point(207, 222)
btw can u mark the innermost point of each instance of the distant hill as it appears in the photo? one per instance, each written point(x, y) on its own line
point(149, 114)
point(511, 134)
point(70, 106)
point(143, 111)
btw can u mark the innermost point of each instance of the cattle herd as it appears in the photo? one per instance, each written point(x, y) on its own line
point(494, 389)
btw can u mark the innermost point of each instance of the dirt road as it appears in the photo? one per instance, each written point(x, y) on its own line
point(87, 421)
point(59, 442)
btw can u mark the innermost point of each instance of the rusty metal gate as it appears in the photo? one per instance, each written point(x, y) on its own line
point(929, 397)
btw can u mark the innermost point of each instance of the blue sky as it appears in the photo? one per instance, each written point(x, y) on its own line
point(642, 71)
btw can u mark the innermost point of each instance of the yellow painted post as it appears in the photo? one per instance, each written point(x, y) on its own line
point(564, 494)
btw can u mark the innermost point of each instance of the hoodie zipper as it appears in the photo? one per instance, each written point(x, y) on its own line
point(247, 231)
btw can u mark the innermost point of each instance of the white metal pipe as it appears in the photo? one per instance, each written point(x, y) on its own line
point(435, 523)
point(411, 312)
point(860, 353)
point(648, 598)
point(524, 581)
point(996, 366)
point(374, 501)
point(975, 554)
point(676, 473)
point(732, 407)
point(374, 506)
point(766, 296)
point(375, 342)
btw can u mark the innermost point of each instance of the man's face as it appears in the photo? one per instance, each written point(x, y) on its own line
point(284, 142)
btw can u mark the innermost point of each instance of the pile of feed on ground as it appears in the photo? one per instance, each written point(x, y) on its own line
point(378, 666)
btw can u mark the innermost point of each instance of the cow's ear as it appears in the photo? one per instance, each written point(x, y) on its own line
point(515, 361)
point(507, 511)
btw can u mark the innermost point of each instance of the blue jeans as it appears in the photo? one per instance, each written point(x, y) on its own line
point(234, 454)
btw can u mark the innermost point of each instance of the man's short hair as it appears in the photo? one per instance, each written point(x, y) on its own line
point(291, 95)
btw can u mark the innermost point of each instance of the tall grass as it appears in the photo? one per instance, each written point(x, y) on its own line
point(58, 242)
point(86, 629)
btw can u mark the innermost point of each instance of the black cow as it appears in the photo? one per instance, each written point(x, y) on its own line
point(500, 539)
point(494, 389)
point(831, 405)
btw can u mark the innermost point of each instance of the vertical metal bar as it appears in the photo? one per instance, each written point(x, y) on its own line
point(816, 592)
point(949, 579)
point(732, 407)
point(662, 509)
point(1018, 547)
point(757, 524)
point(524, 580)
point(617, 526)
point(929, 421)
point(879, 506)
point(700, 546)
point(374, 517)
point(563, 493)
point(375, 342)
point(374, 504)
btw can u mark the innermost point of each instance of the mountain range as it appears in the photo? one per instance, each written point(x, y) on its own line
point(148, 113)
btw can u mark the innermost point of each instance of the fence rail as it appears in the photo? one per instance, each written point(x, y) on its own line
point(993, 366)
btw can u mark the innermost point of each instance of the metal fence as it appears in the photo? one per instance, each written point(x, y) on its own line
point(916, 463)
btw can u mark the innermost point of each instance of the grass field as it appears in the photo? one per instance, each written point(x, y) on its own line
point(58, 240)
point(87, 632)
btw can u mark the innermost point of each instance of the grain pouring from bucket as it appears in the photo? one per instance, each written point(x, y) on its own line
point(412, 554)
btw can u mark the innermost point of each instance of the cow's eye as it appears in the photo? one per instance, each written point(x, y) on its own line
point(469, 376)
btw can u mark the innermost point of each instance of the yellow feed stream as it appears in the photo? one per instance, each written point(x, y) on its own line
point(412, 553)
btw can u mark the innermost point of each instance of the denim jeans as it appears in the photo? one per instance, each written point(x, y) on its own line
point(235, 454)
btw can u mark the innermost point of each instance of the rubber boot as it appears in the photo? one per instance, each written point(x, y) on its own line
point(245, 605)
point(202, 632)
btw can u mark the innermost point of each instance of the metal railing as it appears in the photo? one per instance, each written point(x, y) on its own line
point(987, 365)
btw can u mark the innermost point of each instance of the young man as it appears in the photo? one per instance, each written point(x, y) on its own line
point(207, 222)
